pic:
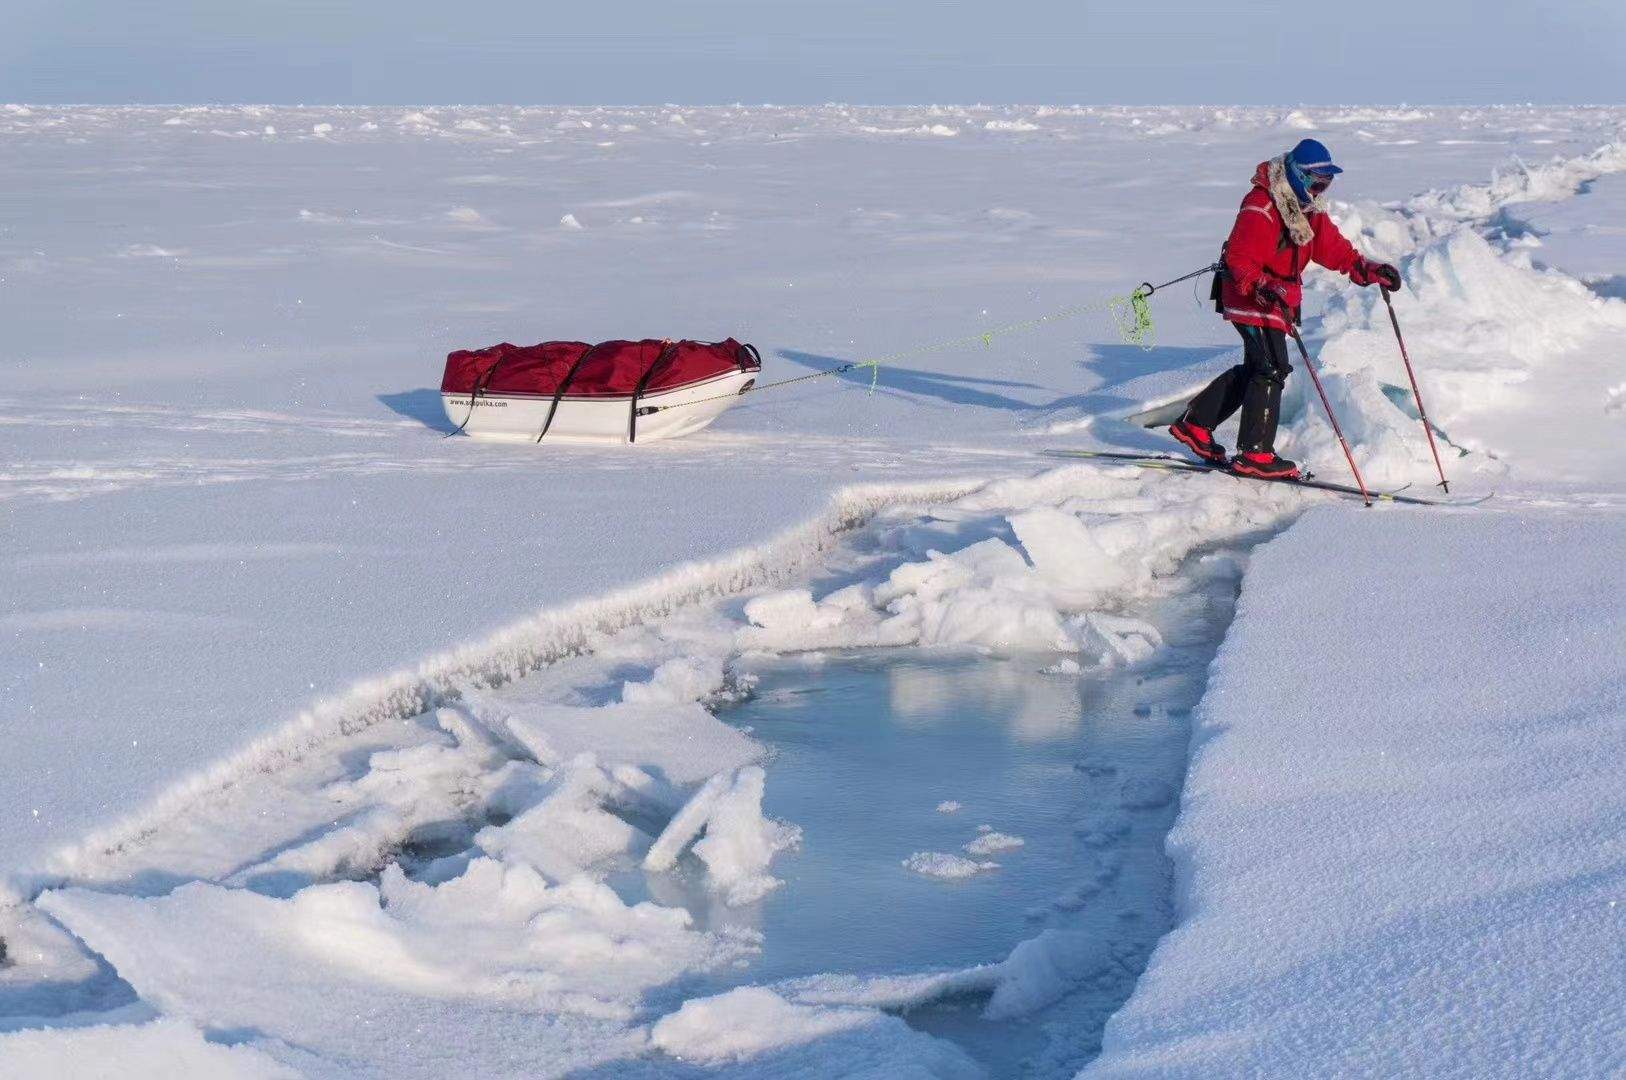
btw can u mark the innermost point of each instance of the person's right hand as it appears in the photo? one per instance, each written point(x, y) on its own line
point(1269, 296)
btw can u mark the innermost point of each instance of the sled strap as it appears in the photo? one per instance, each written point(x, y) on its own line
point(564, 385)
point(479, 388)
point(668, 347)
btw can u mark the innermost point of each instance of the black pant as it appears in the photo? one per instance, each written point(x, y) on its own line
point(1254, 386)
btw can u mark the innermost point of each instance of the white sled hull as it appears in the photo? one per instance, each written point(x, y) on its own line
point(523, 417)
point(1161, 416)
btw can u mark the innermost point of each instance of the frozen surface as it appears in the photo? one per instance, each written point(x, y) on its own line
point(860, 747)
point(227, 499)
point(1583, 237)
point(1402, 851)
point(312, 715)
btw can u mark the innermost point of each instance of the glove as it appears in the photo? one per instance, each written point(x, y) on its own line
point(1269, 296)
point(1367, 272)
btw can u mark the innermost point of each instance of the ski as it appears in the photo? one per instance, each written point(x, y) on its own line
point(1176, 463)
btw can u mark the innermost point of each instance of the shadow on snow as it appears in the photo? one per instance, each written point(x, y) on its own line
point(421, 405)
point(1106, 366)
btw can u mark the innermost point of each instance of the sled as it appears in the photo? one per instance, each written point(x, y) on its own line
point(612, 392)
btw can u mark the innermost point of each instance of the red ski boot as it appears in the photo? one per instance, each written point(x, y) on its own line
point(1199, 440)
point(1265, 466)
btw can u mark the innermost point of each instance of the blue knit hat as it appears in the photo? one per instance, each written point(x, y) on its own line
point(1309, 156)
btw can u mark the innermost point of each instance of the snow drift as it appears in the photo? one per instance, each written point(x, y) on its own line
point(1501, 346)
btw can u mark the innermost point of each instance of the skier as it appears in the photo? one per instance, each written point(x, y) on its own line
point(1281, 228)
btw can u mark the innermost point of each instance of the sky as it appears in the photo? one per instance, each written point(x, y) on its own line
point(811, 51)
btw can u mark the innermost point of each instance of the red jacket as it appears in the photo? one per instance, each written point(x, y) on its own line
point(1260, 249)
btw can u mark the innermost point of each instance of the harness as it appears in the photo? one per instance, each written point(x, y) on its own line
point(1285, 241)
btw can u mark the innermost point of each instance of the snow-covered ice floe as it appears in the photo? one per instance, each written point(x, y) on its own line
point(1402, 854)
point(484, 862)
point(949, 867)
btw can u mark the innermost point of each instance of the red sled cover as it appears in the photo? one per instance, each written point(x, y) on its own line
point(609, 369)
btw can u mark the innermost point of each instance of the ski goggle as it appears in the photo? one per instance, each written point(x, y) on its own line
point(1314, 181)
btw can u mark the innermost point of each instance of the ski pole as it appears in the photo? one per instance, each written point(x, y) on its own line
point(1416, 394)
point(1325, 404)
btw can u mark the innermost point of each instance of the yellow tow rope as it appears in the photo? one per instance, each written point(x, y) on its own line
point(1130, 313)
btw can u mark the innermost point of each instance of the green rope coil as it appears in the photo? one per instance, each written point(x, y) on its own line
point(1134, 318)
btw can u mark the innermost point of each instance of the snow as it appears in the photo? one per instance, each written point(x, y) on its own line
point(1044, 969)
point(744, 1024)
point(740, 843)
point(1577, 236)
point(155, 1051)
point(1042, 589)
point(570, 831)
point(527, 971)
point(1406, 851)
point(945, 866)
point(687, 823)
point(991, 842)
point(1495, 339)
point(339, 746)
point(682, 739)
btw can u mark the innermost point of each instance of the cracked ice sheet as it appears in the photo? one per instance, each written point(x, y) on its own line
point(1403, 853)
point(523, 923)
point(431, 985)
point(494, 974)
